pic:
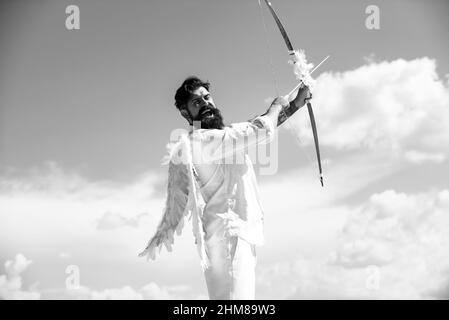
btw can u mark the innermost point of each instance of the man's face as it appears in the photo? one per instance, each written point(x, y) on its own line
point(202, 108)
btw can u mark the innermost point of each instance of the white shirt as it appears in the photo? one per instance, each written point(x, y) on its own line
point(226, 179)
point(224, 196)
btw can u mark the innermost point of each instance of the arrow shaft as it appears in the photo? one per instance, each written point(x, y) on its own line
point(300, 83)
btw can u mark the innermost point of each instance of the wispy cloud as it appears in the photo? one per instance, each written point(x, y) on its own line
point(11, 282)
point(112, 220)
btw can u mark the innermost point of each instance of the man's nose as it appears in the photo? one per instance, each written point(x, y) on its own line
point(204, 102)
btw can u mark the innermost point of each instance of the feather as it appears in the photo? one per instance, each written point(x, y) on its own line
point(182, 200)
point(173, 214)
point(302, 68)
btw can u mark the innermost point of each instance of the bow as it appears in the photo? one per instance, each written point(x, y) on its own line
point(299, 72)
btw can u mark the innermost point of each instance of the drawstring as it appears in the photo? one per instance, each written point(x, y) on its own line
point(268, 50)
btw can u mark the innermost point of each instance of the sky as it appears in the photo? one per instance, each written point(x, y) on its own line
point(85, 116)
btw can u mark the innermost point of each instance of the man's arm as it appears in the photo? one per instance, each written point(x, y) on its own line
point(275, 109)
point(301, 99)
point(280, 109)
point(219, 144)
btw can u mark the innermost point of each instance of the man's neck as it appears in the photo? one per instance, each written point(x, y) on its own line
point(196, 125)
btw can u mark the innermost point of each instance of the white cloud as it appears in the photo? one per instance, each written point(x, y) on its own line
point(113, 220)
point(405, 237)
point(54, 201)
point(11, 282)
point(64, 255)
point(363, 253)
point(125, 293)
point(16, 267)
point(153, 292)
point(62, 183)
point(55, 215)
point(373, 112)
point(150, 291)
point(418, 157)
point(398, 108)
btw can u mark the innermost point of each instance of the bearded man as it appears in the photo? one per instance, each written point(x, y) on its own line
point(217, 192)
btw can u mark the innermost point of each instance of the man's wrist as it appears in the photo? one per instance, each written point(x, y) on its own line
point(276, 108)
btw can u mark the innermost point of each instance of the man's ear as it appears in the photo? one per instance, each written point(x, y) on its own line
point(186, 114)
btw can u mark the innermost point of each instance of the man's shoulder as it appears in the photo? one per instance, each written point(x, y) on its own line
point(238, 125)
point(176, 149)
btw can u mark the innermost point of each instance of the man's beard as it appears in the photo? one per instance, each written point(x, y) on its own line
point(212, 119)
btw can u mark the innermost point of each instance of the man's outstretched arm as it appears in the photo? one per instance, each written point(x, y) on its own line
point(280, 109)
point(218, 144)
point(301, 99)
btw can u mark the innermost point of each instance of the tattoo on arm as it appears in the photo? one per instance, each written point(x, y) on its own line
point(286, 113)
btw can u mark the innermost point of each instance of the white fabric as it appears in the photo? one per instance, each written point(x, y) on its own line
point(232, 260)
point(232, 217)
point(228, 183)
point(231, 275)
point(223, 202)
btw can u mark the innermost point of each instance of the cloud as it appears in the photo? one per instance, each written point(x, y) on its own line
point(64, 255)
point(52, 200)
point(125, 293)
point(398, 108)
point(399, 239)
point(363, 253)
point(150, 291)
point(57, 215)
point(53, 180)
point(369, 119)
point(111, 220)
point(11, 282)
point(85, 293)
point(11, 288)
point(418, 157)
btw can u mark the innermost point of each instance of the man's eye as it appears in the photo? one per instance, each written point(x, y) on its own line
point(207, 97)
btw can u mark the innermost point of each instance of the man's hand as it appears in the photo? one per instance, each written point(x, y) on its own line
point(302, 97)
point(281, 109)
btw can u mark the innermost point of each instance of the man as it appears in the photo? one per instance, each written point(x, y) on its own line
point(218, 192)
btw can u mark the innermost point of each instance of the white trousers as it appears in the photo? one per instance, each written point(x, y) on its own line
point(232, 274)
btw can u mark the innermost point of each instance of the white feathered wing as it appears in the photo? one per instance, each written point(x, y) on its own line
point(174, 212)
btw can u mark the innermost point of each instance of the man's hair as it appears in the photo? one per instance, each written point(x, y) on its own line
point(189, 85)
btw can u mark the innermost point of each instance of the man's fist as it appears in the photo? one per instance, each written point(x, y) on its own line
point(302, 97)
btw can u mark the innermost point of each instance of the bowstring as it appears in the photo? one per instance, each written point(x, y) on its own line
point(275, 79)
point(268, 49)
point(304, 150)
